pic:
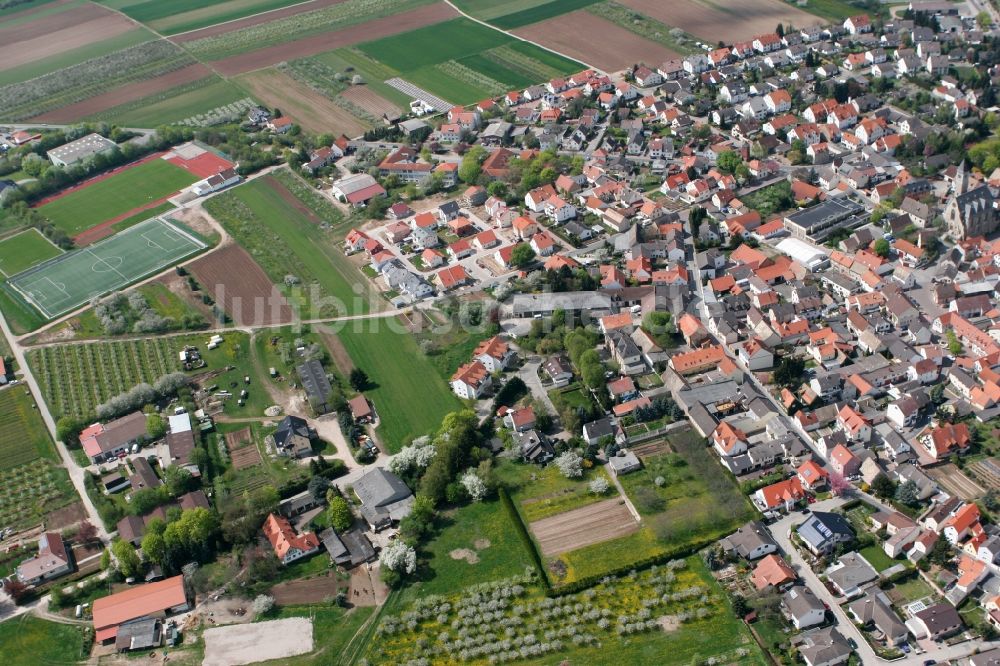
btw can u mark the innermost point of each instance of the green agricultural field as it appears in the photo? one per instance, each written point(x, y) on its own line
point(539, 12)
point(170, 18)
point(333, 629)
point(52, 63)
point(174, 105)
point(464, 62)
point(29, 641)
point(372, 71)
point(834, 11)
point(35, 15)
point(75, 378)
point(124, 191)
point(23, 436)
point(24, 250)
point(410, 397)
point(287, 239)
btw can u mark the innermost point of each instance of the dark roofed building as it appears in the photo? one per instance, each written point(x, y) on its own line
point(348, 549)
point(822, 531)
point(141, 634)
point(751, 542)
point(293, 437)
point(144, 476)
point(385, 499)
point(131, 529)
point(317, 386)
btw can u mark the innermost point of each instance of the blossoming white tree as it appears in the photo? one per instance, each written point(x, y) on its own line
point(399, 557)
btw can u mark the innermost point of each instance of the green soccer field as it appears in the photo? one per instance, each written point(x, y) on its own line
point(122, 192)
point(69, 281)
point(21, 252)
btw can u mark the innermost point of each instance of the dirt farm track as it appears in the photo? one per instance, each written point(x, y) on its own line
point(581, 527)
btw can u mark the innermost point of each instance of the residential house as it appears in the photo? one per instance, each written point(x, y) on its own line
point(288, 544)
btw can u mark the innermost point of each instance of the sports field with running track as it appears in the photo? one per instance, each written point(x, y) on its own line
point(72, 279)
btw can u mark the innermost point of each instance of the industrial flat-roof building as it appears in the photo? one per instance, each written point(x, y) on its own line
point(819, 221)
point(82, 149)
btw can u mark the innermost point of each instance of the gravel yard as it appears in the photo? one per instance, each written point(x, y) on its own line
point(260, 641)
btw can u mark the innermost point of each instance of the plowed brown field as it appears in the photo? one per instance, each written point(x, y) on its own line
point(308, 108)
point(21, 49)
point(369, 100)
point(327, 41)
point(123, 95)
point(595, 41)
point(726, 21)
point(236, 282)
point(581, 527)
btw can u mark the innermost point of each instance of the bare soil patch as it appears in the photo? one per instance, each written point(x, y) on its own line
point(232, 277)
point(341, 358)
point(222, 28)
point(308, 108)
point(124, 94)
point(249, 643)
point(956, 482)
point(369, 100)
point(309, 590)
point(595, 41)
point(729, 21)
point(327, 41)
point(581, 527)
point(464, 554)
point(238, 439)
point(654, 448)
point(248, 456)
point(66, 516)
point(25, 50)
point(482, 544)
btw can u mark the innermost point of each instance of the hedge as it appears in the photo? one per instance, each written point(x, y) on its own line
point(522, 532)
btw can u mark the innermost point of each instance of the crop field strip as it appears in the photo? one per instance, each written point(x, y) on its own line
point(277, 220)
point(23, 437)
point(463, 62)
point(176, 16)
point(70, 280)
point(88, 79)
point(335, 17)
point(179, 104)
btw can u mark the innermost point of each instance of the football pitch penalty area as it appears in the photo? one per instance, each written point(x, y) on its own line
point(72, 279)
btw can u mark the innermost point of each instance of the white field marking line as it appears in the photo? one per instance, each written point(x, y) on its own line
point(29, 296)
point(108, 264)
point(152, 243)
point(28, 231)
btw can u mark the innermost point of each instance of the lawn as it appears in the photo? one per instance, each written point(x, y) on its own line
point(697, 504)
point(834, 11)
point(174, 105)
point(410, 397)
point(493, 550)
point(23, 436)
point(541, 492)
point(912, 589)
point(281, 224)
point(448, 59)
point(125, 190)
point(21, 317)
point(24, 250)
point(52, 63)
point(29, 641)
point(877, 557)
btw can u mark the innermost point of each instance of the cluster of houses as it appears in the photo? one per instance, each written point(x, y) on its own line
point(474, 379)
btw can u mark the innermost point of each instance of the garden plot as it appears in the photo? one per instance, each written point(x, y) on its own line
point(260, 641)
point(956, 482)
point(581, 527)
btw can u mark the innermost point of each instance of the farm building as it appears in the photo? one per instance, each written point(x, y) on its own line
point(385, 499)
point(105, 441)
point(180, 442)
point(287, 543)
point(162, 597)
point(357, 189)
point(316, 384)
point(80, 150)
point(348, 549)
point(361, 409)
